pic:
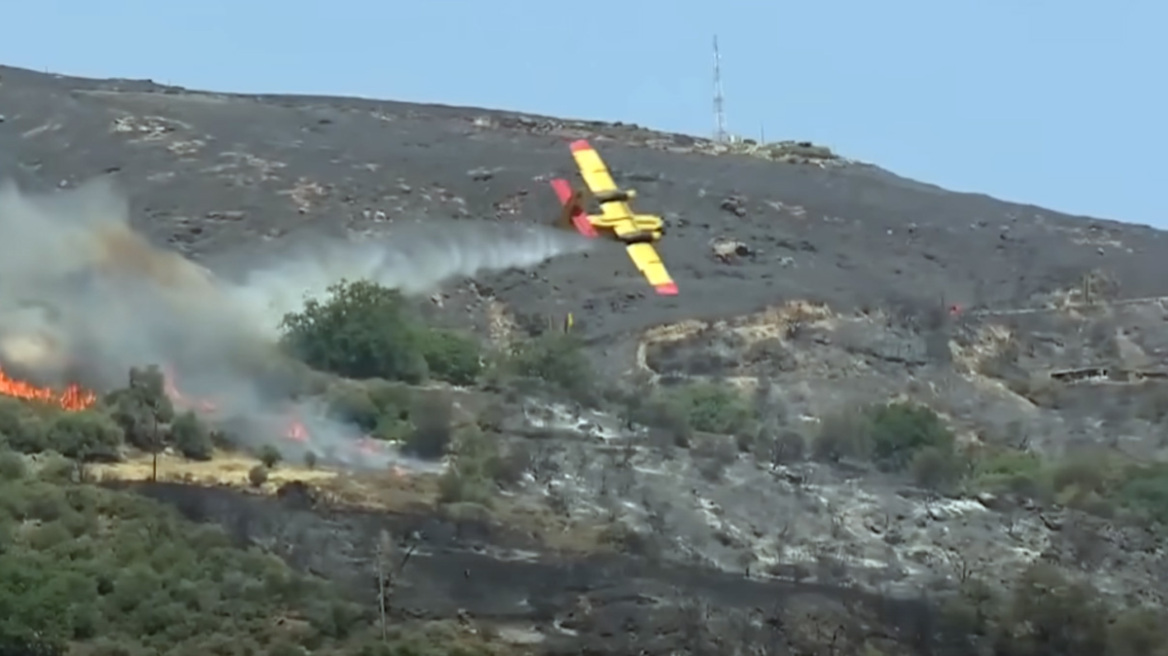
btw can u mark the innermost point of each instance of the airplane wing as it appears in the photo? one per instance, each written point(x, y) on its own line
point(592, 168)
point(650, 265)
point(598, 178)
point(579, 217)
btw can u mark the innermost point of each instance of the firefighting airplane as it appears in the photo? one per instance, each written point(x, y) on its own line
point(616, 220)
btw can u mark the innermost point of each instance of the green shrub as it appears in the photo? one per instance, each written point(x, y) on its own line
point(899, 430)
point(1145, 492)
point(713, 408)
point(474, 469)
point(452, 356)
point(558, 359)
point(85, 435)
point(98, 571)
point(1010, 470)
point(890, 435)
point(191, 437)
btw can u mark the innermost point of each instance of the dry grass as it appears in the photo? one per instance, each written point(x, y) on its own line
point(225, 469)
point(392, 490)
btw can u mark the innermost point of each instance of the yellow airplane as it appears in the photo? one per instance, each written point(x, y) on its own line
point(617, 219)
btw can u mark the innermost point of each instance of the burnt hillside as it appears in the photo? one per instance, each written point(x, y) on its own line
point(208, 172)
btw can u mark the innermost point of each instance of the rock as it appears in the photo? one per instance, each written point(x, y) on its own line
point(1053, 522)
point(735, 205)
point(939, 513)
point(727, 249)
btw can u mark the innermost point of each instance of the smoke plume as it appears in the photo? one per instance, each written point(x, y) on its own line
point(412, 257)
point(85, 298)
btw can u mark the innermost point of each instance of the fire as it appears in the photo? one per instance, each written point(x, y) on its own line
point(180, 401)
point(72, 398)
point(296, 431)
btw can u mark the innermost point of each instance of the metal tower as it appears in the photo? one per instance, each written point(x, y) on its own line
point(719, 112)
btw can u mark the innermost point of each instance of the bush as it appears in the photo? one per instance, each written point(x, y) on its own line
point(97, 571)
point(713, 408)
point(1055, 616)
point(269, 456)
point(1012, 471)
point(890, 435)
point(257, 475)
point(22, 428)
point(1145, 492)
point(665, 414)
point(936, 468)
point(899, 430)
point(789, 447)
point(452, 357)
point(86, 435)
point(845, 434)
point(191, 437)
point(475, 467)
point(432, 419)
point(558, 359)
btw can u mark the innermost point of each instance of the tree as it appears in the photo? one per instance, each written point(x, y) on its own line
point(363, 330)
point(141, 406)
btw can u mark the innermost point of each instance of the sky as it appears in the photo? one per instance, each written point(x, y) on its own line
point(1060, 104)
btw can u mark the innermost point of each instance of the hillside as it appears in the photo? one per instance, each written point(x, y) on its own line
point(209, 171)
point(875, 407)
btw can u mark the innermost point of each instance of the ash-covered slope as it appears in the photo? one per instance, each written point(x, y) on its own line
point(208, 172)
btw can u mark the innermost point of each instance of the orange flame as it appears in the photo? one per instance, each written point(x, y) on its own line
point(180, 401)
point(296, 431)
point(72, 398)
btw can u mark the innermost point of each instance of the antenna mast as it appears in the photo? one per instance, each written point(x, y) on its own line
point(719, 112)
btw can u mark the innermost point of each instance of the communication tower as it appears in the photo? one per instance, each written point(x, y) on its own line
point(720, 134)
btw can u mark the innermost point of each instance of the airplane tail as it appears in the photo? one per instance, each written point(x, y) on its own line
point(572, 214)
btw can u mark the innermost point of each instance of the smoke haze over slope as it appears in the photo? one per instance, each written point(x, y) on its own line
point(85, 296)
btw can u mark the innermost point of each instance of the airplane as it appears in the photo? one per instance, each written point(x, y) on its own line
point(616, 220)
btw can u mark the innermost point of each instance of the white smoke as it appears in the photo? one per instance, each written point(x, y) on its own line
point(414, 258)
point(82, 295)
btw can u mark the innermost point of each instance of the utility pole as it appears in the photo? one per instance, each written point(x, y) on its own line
point(720, 135)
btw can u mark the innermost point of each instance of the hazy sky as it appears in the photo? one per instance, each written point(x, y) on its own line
point(1057, 103)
